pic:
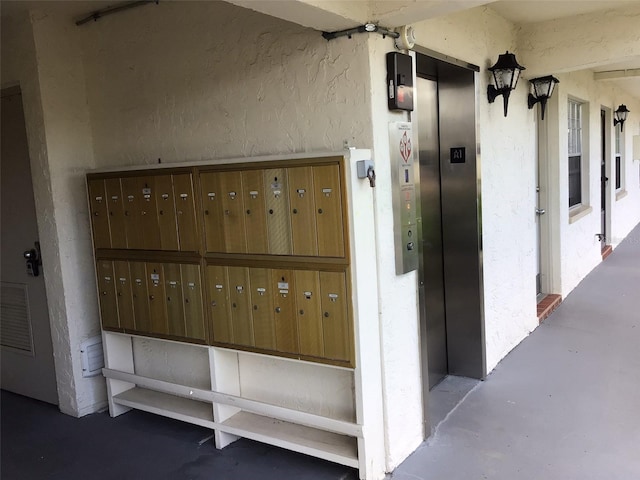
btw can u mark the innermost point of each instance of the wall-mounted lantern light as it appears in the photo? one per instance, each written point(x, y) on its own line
point(620, 115)
point(542, 91)
point(506, 72)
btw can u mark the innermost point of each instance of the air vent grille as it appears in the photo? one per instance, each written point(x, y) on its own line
point(15, 318)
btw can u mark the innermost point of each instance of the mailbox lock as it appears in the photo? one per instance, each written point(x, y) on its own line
point(248, 212)
point(320, 211)
point(295, 210)
point(326, 314)
point(278, 309)
point(270, 211)
point(301, 312)
point(151, 297)
point(255, 307)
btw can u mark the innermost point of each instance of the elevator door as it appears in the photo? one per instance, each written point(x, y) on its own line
point(432, 247)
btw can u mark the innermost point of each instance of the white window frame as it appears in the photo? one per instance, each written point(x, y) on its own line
point(577, 139)
point(619, 163)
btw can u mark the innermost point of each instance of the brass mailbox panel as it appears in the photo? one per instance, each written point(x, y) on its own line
point(329, 221)
point(218, 303)
point(166, 214)
point(131, 194)
point(192, 294)
point(276, 192)
point(302, 207)
point(140, 296)
point(98, 205)
point(240, 299)
point(213, 213)
point(188, 233)
point(260, 226)
point(284, 307)
point(255, 211)
point(157, 300)
point(235, 238)
point(175, 300)
point(308, 312)
point(335, 319)
point(124, 294)
point(264, 330)
point(107, 294)
point(116, 213)
point(148, 213)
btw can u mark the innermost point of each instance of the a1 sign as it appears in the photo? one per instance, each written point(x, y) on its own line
point(458, 155)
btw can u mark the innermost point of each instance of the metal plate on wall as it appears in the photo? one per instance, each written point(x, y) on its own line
point(401, 153)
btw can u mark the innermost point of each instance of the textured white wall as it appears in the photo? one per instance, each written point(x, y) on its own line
point(35, 54)
point(72, 297)
point(398, 299)
point(201, 80)
point(580, 249)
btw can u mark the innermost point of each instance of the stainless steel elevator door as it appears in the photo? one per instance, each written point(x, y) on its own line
point(432, 249)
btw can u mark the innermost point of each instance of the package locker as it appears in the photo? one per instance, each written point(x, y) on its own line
point(99, 213)
point(188, 232)
point(157, 301)
point(335, 325)
point(107, 294)
point(233, 225)
point(124, 294)
point(192, 295)
point(277, 205)
point(262, 313)
point(218, 304)
point(328, 210)
point(212, 210)
point(302, 207)
point(255, 211)
point(309, 316)
point(284, 308)
point(240, 300)
point(116, 213)
point(174, 298)
point(166, 212)
point(140, 296)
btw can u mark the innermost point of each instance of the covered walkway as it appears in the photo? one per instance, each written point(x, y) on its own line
point(562, 405)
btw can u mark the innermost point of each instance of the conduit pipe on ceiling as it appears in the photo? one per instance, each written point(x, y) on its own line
point(115, 9)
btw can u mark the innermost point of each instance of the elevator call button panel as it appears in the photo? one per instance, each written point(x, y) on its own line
point(404, 196)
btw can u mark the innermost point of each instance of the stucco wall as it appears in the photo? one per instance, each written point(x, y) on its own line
point(37, 54)
point(398, 300)
point(204, 80)
point(580, 249)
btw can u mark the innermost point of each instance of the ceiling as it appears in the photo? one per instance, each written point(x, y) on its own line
point(526, 12)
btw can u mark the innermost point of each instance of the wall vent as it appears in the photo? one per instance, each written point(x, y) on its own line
point(15, 318)
point(92, 356)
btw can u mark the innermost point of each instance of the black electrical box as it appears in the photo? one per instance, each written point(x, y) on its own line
point(400, 81)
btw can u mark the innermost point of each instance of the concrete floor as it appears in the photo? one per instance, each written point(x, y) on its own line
point(565, 404)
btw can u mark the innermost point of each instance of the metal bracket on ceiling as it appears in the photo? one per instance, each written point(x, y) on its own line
point(115, 9)
point(366, 28)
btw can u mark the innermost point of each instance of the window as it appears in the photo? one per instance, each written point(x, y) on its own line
point(575, 153)
point(619, 165)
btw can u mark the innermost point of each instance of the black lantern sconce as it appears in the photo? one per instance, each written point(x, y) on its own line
point(620, 116)
point(505, 72)
point(542, 91)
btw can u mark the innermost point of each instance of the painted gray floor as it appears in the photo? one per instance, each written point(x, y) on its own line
point(564, 405)
point(39, 442)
